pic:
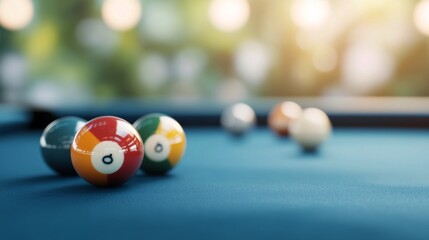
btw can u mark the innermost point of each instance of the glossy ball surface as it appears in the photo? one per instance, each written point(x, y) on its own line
point(164, 140)
point(107, 151)
point(238, 118)
point(55, 143)
point(311, 128)
point(282, 115)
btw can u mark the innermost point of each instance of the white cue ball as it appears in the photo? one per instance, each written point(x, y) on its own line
point(238, 118)
point(311, 128)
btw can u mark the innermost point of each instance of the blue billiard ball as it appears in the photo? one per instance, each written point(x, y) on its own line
point(55, 143)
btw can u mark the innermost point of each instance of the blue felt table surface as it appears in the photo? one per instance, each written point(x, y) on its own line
point(363, 184)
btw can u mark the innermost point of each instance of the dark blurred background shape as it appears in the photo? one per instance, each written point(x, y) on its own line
point(55, 53)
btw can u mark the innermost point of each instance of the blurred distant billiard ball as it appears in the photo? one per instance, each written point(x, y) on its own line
point(238, 118)
point(107, 151)
point(281, 117)
point(164, 140)
point(55, 143)
point(311, 128)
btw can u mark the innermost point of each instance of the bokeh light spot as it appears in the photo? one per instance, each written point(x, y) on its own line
point(13, 70)
point(16, 14)
point(188, 64)
point(229, 15)
point(252, 61)
point(95, 35)
point(367, 67)
point(310, 14)
point(421, 17)
point(121, 15)
point(153, 71)
point(162, 22)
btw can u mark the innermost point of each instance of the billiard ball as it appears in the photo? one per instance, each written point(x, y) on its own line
point(164, 140)
point(55, 143)
point(281, 116)
point(311, 128)
point(238, 118)
point(107, 151)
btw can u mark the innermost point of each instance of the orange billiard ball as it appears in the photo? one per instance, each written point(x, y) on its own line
point(281, 117)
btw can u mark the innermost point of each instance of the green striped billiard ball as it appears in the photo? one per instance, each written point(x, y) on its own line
point(55, 143)
point(164, 141)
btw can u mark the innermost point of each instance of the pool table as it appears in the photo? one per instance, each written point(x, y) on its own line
point(364, 183)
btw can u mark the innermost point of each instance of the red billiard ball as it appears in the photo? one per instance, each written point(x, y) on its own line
point(107, 151)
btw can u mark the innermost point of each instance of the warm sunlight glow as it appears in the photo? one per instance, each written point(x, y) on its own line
point(121, 15)
point(421, 17)
point(310, 14)
point(16, 14)
point(229, 15)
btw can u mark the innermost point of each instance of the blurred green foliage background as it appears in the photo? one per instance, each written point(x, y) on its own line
point(224, 50)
